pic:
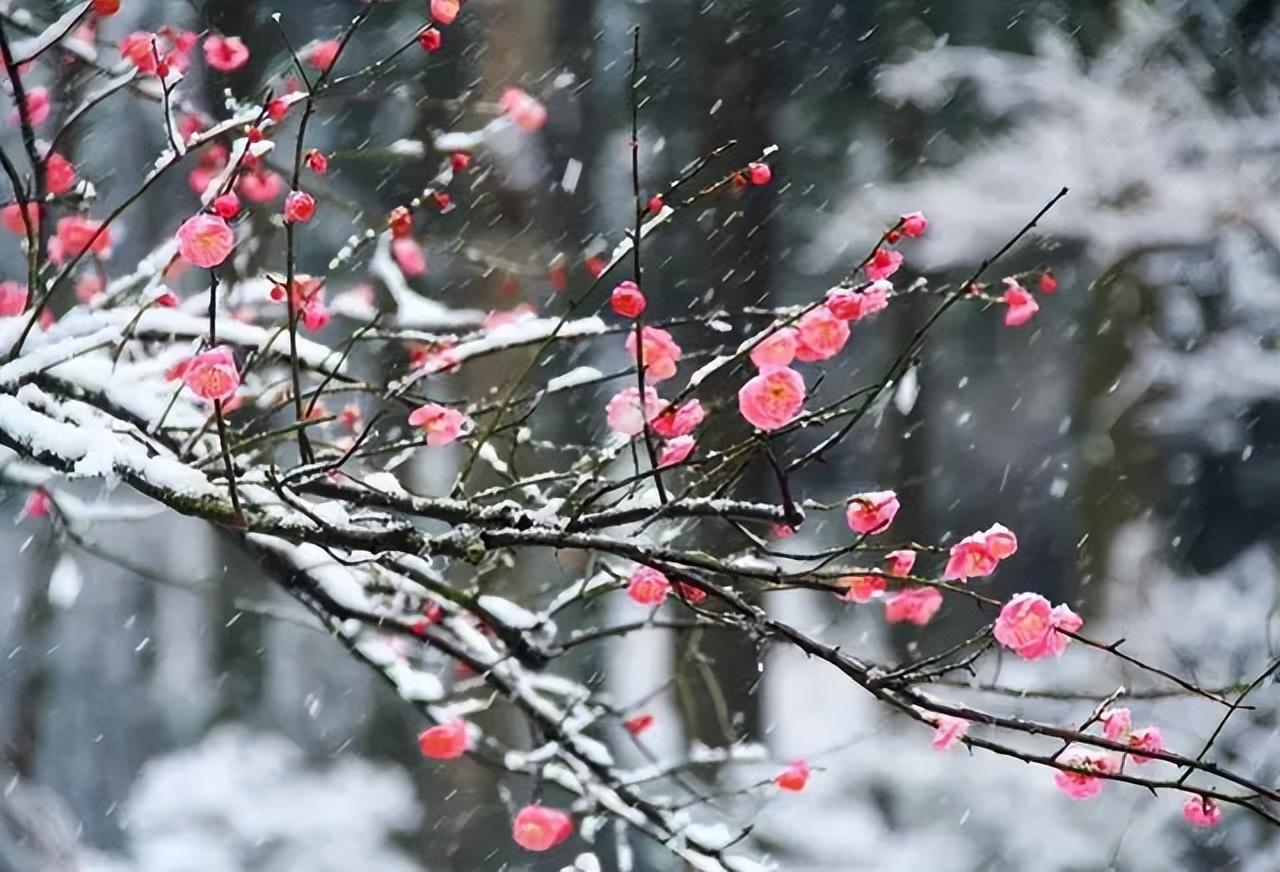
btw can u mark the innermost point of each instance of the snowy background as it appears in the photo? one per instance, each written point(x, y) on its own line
point(183, 714)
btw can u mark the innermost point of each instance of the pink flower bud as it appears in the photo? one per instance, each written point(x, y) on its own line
point(627, 300)
point(299, 207)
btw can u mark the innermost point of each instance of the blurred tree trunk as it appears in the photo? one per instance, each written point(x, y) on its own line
point(718, 677)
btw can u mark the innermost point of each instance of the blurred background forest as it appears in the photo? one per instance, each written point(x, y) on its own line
point(150, 720)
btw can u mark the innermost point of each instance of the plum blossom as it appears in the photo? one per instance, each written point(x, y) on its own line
point(689, 593)
point(627, 300)
point(37, 505)
point(914, 224)
point(307, 293)
point(37, 104)
point(226, 206)
point(299, 207)
point(871, 512)
point(75, 234)
point(676, 450)
point(1145, 739)
point(862, 588)
point(1047, 282)
point(979, 554)
point(446, 741)
point(914, 606)
point(431, 40)
point(681, 421)
point(1029, 627)
point(351, 418)
point(260, 185)
point(648, 586)
point(205, 240)
point(772, 399)
point(638, 724)
point(59, 174)
point(659, 353)
point(821, 335)
point(1201, 811)
point(11, 218)
point(13, 299)
point(1084, 784)
point(901, 562)
point(524, 111)
point(851, 305)
point(884, 263)
point(624, 414)
point(1022, 306)
point(444, 11)
point(778, 348)
point(321, 55)
point(794, 777)
point(1117, 723)
point(759, 173)
point(441, 424)
point(538, 828)
point(211, 375)
point(947, 731)
point(225, 53)
point(409, 256)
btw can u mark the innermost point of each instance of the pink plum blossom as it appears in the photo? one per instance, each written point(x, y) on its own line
point(13, 299)
point(1201, 811)
point(1084, 784)
point(821, 335)
point(1116, 724)
point(676, 450)
point(1145, 739)
point(863, 588)
point(299, 207)
point(682, 421)
point(659, 354)
point(211, 374)
point(776, 349)
point(851, 305)
point(59, 174)
point(446, 741)
point(205, 240)
point(648, 586)
point(38, 504)
point(794, 777)
point(76, 234)
point(524, 111)
point(978, 554)
point(441, 424)
point(871, 512)
point(947, 731)
point(627, 300)
point(914, 224)
point(225, 53)
point(901, 562)
point(409, 256)
point(1032, 629)
point(538, 828)
point(914, 606)
point(624, 414)
point(443, 12)
point(321, 55)
point(37, 108)
point(772, 399)
point(884, 263)
point(1022, 306)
